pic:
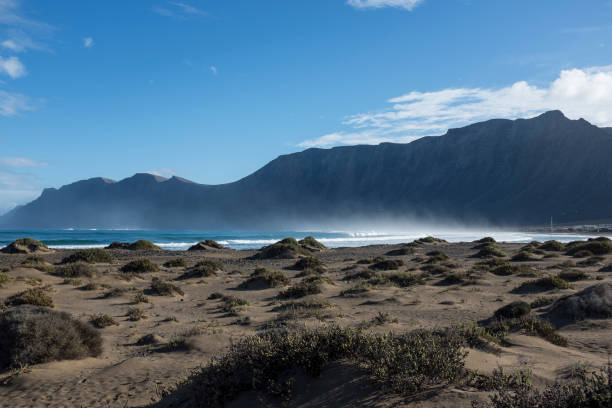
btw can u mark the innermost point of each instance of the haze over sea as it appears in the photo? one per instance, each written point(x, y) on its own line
point(183, 239)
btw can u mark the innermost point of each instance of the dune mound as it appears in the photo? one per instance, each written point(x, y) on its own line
point(26, 246)
point(206, 245)
point(591, 303)
point(34, 335)
point(140, 245)
point(287, 248)
point(311, 244)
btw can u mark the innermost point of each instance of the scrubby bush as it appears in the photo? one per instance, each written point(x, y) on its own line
point(527, 324)
point(262, 277)
point(140, 245)
point(592, 261)
point(596, 246)
point(287, 248)
point(304, 288)
point(436, 256)
point(32, 296)
point(513, 310)
point(406, 363)
point(140, 266)
point(542, 301)
point(4, 279)
point(486, 240)
point(430, 240)
point(311, 243)
point(489, 251)
point(101, 321)
point(203, 269)
point(542, 284)
point(403, 279)
point(25, 246)
point(505, 270)
point(403, 250)
point(175, 263)
point(164, 288)
point(453, 278)
point(135, 314)
point(114, 292)
point(523, 256)
point(553, 246)
point(387, 265)
point(573, 275)
point(92, 255)
point(140, 298)
point(33, 335)
point(356, 290)
point(75, 270)
point(309, 262)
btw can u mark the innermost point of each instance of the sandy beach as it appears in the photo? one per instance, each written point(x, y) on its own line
point(187, 330)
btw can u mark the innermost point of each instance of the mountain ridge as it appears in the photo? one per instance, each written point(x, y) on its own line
point(500, 171)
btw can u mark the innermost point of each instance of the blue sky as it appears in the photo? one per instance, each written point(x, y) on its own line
point(211, 90)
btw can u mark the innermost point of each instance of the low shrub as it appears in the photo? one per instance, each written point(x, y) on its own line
point(542, 284)
point(356, 290)
point(527, 324)
point(175, 263)
point(404, 250)
point(513, 310)
point(523, 256)
point(573, 275)
point(309, 262)
point(140, 245)
point(262, 277)
point(32, 296)
point(387, 265)
point(592, 261)
point(203, 269)
point(34, 335)
point(542, 301)
point(552, 246)
point(596, 246)
point(403, 279)
point(229, 304)
point(101, 321)
point(135, 314)
point(304, 288)
point(164, 288)
point(92, 255)
point(311, 243)
point(114, 292)
point(140, 298)
point(75, 270)
point(4, 279)
point(287, 248)
point(436, 256)
point(406, 363)
point(140, 266)
point(490, 251)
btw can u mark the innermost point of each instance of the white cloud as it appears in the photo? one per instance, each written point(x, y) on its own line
point(579, 93)
point(12, 67)
point(88, 42)
point(178, 10)
point(12, 104)
point(17, 162)
point(18, 29)
point(213, 69)
point(370, 4)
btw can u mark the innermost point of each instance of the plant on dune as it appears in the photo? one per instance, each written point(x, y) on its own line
point(92, 255)
point(140, 266)
point(175, 263)
point(101, 321)
point(164, 288)
point(203, 269)
point(265, 278)
point(32, 296)
point(75, 270)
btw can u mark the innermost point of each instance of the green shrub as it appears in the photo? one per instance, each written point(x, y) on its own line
point(175, 263)
point(114, 292)
point(356, 290)
point(304, 288)
point(430, 240)
point(573, 275)
point(436, 256)
point(527, 324)
point(34, 335)
point(4, 279)
point(140, 298)
point(553, 246)
point(75, 270)
point(90, 286)
point(592, 261)
point(101, 321)
point(33, 260)
point(140, 266)
point(523, 256)
point(309, 304)
point(164, 288)
point(311, 243)
point(453, 278)
point(403, 279)
point(309, 262)
point(140, 245)
point(93, 255)
point(203, 269)
point(32, 296)
point(513, 310)
point(264, 278)
point(287, 248)
point(406, 363)
point(505, 270)
point(135, 314)
point(490, 251)
point(387, 265)
point(594, 246)
point(542, 284)
point(486, 240)
point(229, 304)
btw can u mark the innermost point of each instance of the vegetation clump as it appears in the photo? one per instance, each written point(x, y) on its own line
point(430, 240)
point(304, 288)
point(542, 284)
point(264, 278)
point(573, 275)
point(101, 321)
point(513, 310)
point(34, 335)
point(403, 279)
point(205, 245)
point(387, 265)
point(175, 263)
point(26, 246)
point(309, 262)
point(135, 314)
point(592, 261)
point(203, 269)
point(405, 249)
point(489, 250)
point(552, 246)
point(140, 245)
point(92, 255)
point(75, 270)
point(523, 256)
point(229, 304)
point(311, 244)
point(32, 296)
point(436, 256)
point(164, 288)
point(542, 301)
point(505, 270)
point(140, 266)
point(287, 248)
point(4, 279)
point(406, 363)
point(596, 246)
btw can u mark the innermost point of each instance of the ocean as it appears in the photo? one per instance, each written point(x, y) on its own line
point(181, 240)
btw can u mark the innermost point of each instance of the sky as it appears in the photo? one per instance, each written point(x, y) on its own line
point(211, 90)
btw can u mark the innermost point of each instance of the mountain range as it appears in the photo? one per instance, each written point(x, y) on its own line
point(503, 172)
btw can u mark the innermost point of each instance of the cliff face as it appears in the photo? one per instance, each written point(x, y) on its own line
point(501, 171)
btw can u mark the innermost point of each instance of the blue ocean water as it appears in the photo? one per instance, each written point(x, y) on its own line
point(183, 239)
